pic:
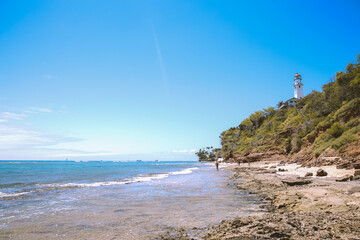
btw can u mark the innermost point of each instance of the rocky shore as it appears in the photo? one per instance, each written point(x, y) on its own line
point(299, 207)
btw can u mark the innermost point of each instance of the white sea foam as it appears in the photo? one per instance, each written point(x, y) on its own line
point(185, 171)
point(15, 194)
point(95, 184)
point(140, 178)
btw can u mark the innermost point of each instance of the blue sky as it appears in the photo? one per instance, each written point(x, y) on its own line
point(127, 80)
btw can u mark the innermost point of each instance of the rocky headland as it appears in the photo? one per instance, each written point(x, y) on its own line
point(316, 194)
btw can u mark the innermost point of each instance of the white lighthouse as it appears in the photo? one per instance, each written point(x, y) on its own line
point(298, 87)
point(298, 93)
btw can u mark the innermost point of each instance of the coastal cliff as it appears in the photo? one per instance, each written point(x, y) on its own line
point(323, 128)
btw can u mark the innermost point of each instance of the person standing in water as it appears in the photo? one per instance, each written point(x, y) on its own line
point(217, 165)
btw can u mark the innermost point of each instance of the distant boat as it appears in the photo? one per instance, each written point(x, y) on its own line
point(139, 161)
point(156, 160)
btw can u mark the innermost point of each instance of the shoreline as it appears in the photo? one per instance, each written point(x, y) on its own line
point(317, 208)
point(185, 202)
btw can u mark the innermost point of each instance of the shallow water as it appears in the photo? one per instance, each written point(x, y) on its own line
point(149, 201)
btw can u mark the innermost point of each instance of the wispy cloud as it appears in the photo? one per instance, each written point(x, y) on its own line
point(180, 151)
point(160, 59)
point(12, 137)
point(6, 116)
point(37, 109)
point(48, 76)
point(34, 110)
point(19, 141)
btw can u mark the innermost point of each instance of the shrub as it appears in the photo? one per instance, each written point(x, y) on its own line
point(335, 130)
point(348, 137)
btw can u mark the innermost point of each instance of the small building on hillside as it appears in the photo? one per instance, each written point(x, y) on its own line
point(298, 92)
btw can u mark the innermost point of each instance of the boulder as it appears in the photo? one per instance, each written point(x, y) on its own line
point(356, 178)
point(273, 167)
point(357, 172)
point(327, 160)
point(356, 165)
point(309, 174)
point(296, 182)
point(282, 170)
point(321, 173)
point(344, 165)
point(344, 178)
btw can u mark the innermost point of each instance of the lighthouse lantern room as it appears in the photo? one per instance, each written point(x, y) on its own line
point(298, 87)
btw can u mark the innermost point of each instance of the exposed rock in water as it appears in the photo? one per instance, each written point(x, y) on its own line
point(321, 173)
point(357, 172)
point(309, 174)
point(175, 234)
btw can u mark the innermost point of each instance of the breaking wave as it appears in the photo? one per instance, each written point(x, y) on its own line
point(55, 186)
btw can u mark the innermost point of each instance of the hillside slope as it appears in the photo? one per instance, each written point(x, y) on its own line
point(322, 128)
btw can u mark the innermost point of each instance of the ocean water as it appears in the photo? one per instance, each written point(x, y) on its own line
point(115, 200)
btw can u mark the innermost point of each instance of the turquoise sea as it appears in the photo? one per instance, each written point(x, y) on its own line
point(115, 200)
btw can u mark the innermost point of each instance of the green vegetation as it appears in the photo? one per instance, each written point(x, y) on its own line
point(321, 120)
point(208, 154)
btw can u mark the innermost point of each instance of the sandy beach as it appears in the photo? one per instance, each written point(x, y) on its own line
point(298, 207)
